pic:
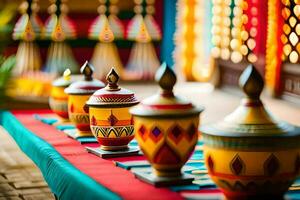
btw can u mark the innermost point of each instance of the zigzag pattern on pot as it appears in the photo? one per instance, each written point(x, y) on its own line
point(58, 105)
point(80, 118)
point(117, 131)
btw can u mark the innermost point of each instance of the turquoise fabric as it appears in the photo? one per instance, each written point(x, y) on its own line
point(65, 127)
point(65, 181)
point(49, 121)
point(84, 140)
point(185, 187)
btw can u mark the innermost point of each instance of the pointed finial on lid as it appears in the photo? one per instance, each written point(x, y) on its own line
point(67, 74)
point(251, 82)
point(87, 70)
point(166, 78)
point(112, 79)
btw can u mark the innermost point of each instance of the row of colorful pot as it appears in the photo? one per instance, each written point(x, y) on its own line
point(245, 153)
point(165, 126)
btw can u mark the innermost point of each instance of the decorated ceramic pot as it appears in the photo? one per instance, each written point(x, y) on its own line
point(58, 100)
point(110, 120)
point(78, 93)
point(166, 127)
point(250, 155)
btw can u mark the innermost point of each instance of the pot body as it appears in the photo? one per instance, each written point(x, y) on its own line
point(78, 114)
point(112, 127)
point(58, 102)
point(244, 172)
point(167, 143)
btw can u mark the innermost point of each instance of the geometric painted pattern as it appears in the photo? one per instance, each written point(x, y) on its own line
point(117, 131)
point(112, 119)
point(142, 132)
point(155, 134)
point(191, 131)
point(237, 165)
point(117, 100)
point(165, 155)
point(93, 121)
point(58, 105)
point(175, 133)
point(271, 165)
point(210, 163)
point(72, 108)
point(79, 118)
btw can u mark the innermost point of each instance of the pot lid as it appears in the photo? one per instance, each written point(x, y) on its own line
point(86, 86)
point(250, 118)
point(165, 103)
point(112, 95)
point(64, 81)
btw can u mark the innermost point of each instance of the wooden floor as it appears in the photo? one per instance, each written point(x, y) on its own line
point(21, 179)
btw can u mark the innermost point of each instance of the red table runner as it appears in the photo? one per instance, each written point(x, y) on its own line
point(118, 180)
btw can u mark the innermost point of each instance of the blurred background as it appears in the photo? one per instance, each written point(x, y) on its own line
point(204, 41)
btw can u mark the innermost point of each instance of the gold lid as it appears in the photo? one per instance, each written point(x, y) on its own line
point(112, 95)
point(165, 103)
point(250, 118)
point(86, 86)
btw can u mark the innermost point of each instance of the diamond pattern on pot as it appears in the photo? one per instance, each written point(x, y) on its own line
point(271, 165)
point(176, 133)
point(156, 134)
point(142, 132)
point(166, 155)
point(191, 132)
point(237, 165)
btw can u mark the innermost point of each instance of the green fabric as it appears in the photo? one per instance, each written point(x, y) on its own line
point(65, 181)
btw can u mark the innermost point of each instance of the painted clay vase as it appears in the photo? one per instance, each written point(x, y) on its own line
point(166, 127)
point(58, 100)
point(110, 120)
point(78, 93)
point(250, 155)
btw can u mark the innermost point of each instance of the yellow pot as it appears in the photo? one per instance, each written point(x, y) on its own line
point(78, 93)
point(78, 114)
point(250, 155)
point(166, 127)
point(113, 128)
point(167, 144)
point(58, 100)
point(110, 120)
point(254, 169)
